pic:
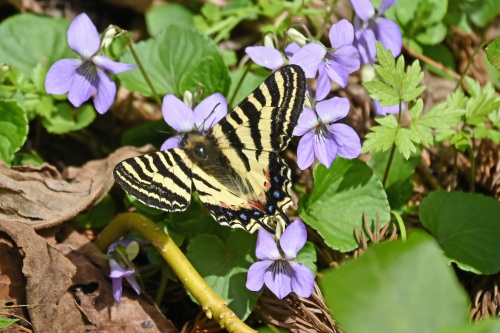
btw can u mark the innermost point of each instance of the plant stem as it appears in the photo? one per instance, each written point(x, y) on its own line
point(143, 72)
point(240, 82)
point(163, 285)
point(472, 167)
point(393, 149)
point(459, 83)
point(214, 306)
point(431, 62)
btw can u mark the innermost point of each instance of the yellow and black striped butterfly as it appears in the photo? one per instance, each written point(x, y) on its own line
point(235, 166)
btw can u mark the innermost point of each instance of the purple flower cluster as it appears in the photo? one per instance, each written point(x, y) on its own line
point(183, 119)
point(370, 26)
point(324, 139)
point(81, 78)
point(278, 269)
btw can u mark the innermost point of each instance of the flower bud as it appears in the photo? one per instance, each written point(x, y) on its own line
point(268, 41)
point(297, 37)
point(188, 98)
point(367, 73)
point(107, 38)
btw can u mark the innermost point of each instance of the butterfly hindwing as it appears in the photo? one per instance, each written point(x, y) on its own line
point(161, 180)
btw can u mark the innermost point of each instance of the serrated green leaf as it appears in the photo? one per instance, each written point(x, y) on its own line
point(382, 137)
point(413, 77)
point(467, 227)
point(225, 266)
point(379, 90)
point(47, 42)
point(340, 197)
point(161, 17)
point(481, 132)
point(410, 280)
point(13, 129)
point(493, 53)
point(407, 142)
point(64, 118)
point(173, 59)
point(482, 102)
point(416, 109)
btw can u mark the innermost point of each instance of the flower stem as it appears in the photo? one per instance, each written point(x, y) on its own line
point(163, 285)
point(459, 83)
point(240, 82)
point(214, 306)
point(393, 149)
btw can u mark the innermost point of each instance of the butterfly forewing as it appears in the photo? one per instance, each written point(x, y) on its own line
point(235, 167)
point(161, 180)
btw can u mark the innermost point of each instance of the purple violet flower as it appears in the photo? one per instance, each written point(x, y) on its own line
point(183, 119)
point(335, 64)
point(322, 138)
point(80, 78)
point(270, 57)
point(278, 269)
point(117, 273)
point(369, 27)
point(384, 110)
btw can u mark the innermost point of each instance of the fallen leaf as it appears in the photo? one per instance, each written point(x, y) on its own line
point(41, 197)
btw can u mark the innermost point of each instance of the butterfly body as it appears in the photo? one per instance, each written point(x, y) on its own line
point(235, 166)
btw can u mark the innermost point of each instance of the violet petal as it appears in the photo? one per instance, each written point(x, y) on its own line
point(325, 150)
point(307, 122)
point(177, 114)
point(337, 73)
point(117, 290)
point(323, 86)
point(348, 142)
point(293, 239)
point(363, 9)
point(132, 280)
point(60, 76)
point(255, 276)
point(265, 56)
point(302, 280)
point(110, 65)
point(333, 109)
point(309, 57)
point(266, 248)
point(279, 281)
point(291, 49)
point(305, 151)
point(348, 57)
point(83, 87)
point(172, 142)
point(386, 4)
point(341, 34)
point(83, 37)
point(210, 111)
point(106, 92)
point(389, 34)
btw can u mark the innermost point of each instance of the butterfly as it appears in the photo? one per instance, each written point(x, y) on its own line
point(235, 166)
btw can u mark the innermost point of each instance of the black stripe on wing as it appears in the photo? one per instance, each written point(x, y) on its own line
point(161, 180)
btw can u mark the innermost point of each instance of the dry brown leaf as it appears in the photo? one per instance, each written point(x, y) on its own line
point(93, 291)
point(47, 278)
point(42, 198)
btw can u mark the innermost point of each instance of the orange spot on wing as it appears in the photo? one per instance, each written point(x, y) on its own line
point(224, 204)
point(257, 205)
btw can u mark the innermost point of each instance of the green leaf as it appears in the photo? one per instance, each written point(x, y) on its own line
point(29, 39)
point(484, 326)
point(409, 280)
point(493, 53)
point(413, 77)
point(340, 197)
point(6, 322)
point(482, 102)
point(399, 186)
point(225, 266)
point(99, 215)
point(442, 54)
point(467, 226)
point(177, 58)
point(406, 142)
point(307, 257)
point(432, 35)
point(160, 17)
point(381, 137)
point(379, 90)
point(250, 82)
point(13, 129)
point(483, 12)
point(64, 118)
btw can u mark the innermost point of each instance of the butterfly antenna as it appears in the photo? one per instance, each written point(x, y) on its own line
point(160, 131)
point(210, 114)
